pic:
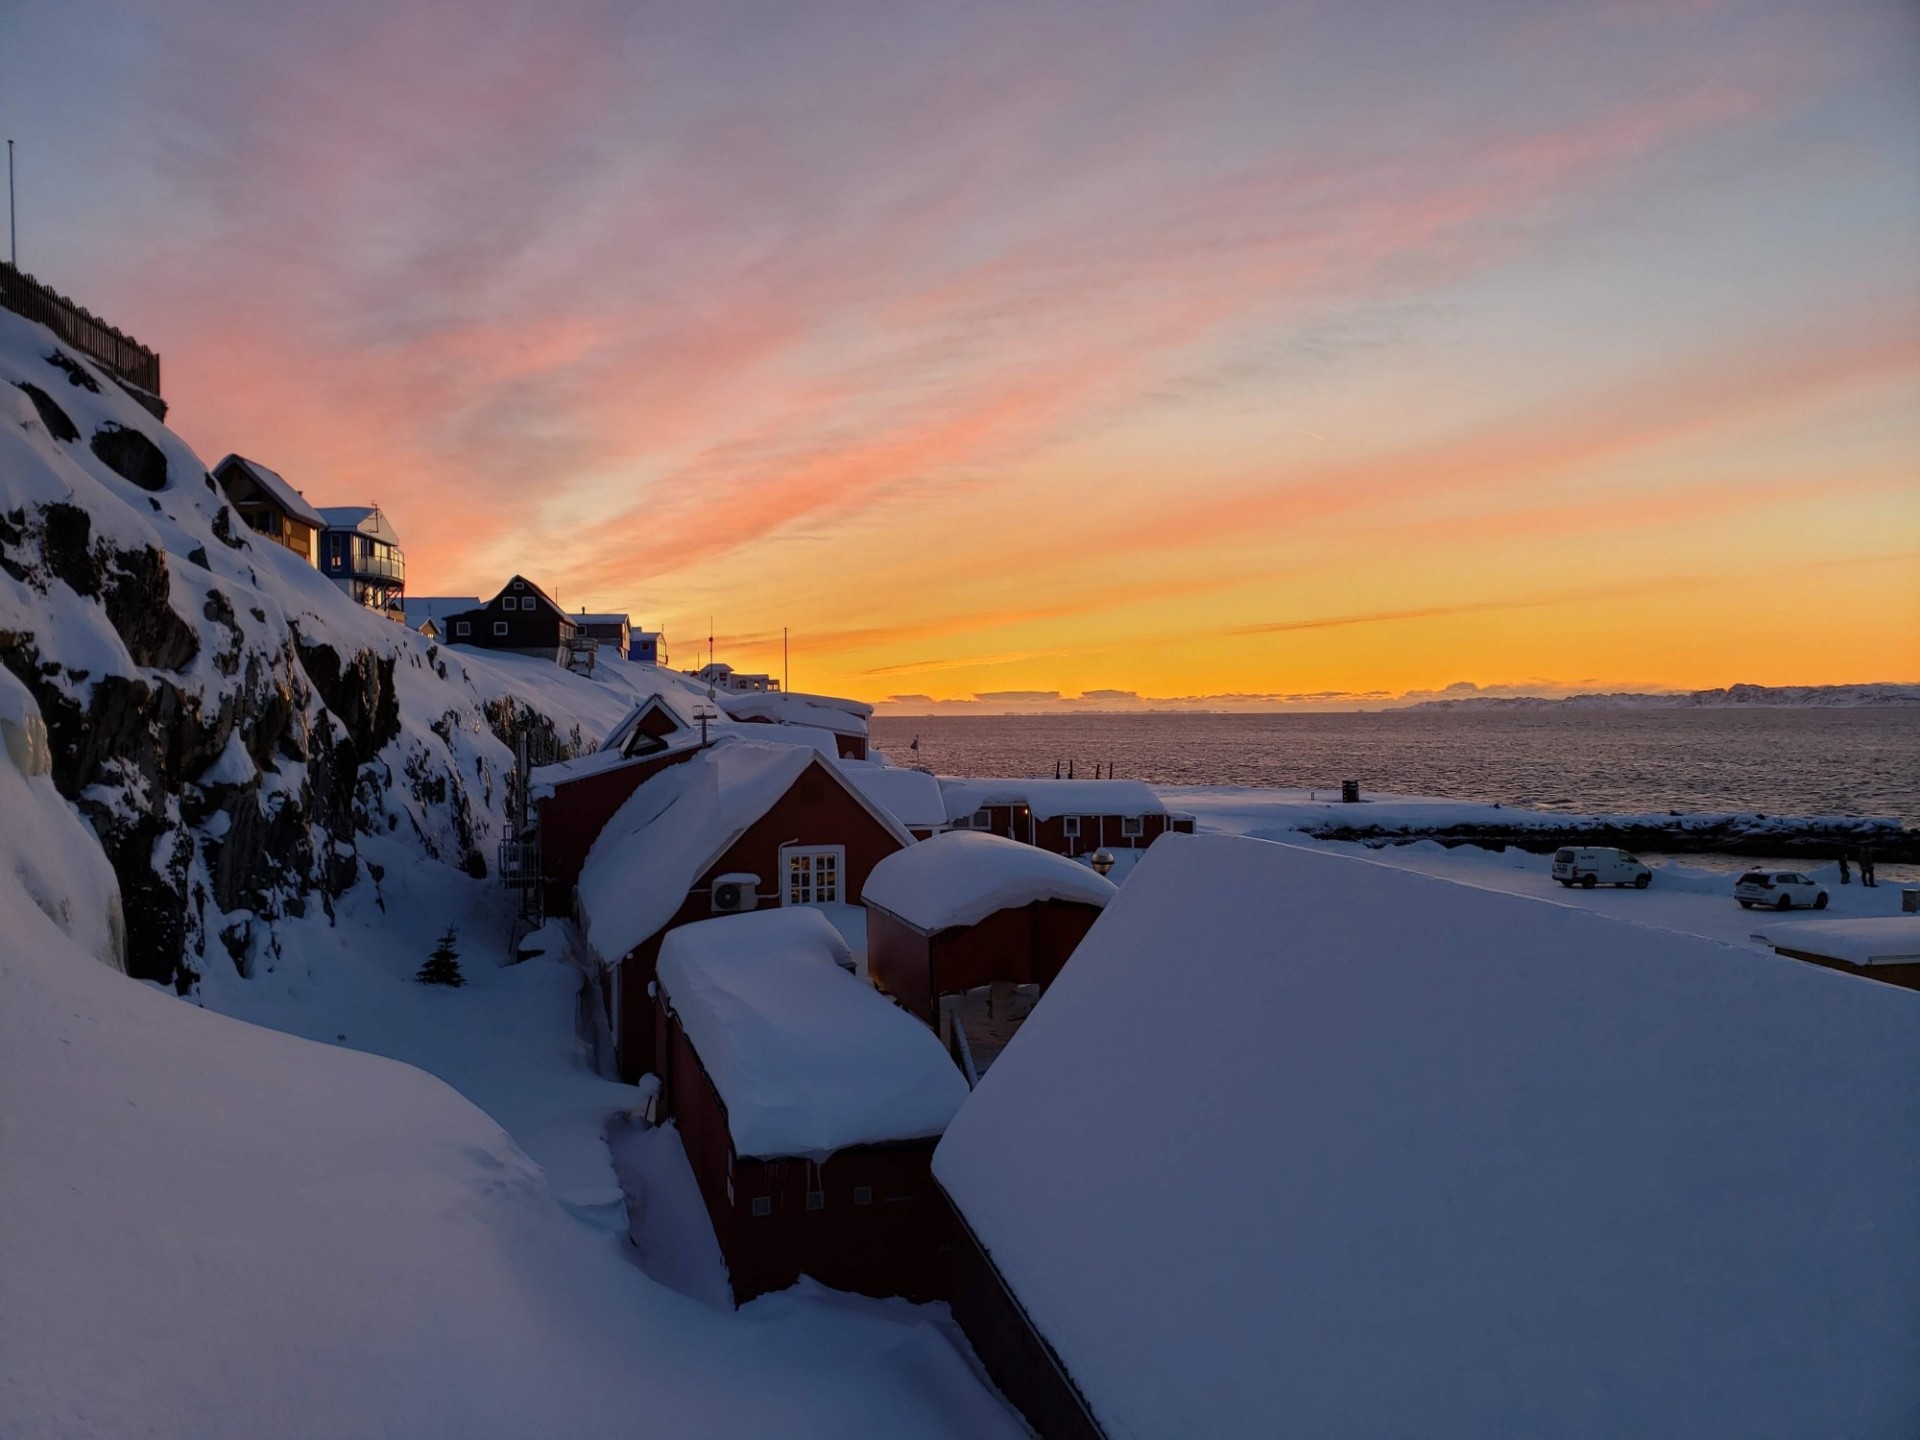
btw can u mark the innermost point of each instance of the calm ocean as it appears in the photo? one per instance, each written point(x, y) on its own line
point(1776, 762)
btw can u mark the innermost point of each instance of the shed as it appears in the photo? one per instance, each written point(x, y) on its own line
point(1068, 817)
point(757, 705)
point(808, 1105)
point(1884, 948)
point(739, 825)
point(1306, 1144)
point(967, 910)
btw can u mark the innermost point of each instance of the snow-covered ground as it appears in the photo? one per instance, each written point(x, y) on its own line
point(1687, 895)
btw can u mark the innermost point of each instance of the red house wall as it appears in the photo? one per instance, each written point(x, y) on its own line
point(1027, 945)
point(572, 818)
point(898, 1241)
point(817, 809)
point(1096, 831)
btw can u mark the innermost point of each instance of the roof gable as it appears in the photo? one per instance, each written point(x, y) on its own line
point(678, 825)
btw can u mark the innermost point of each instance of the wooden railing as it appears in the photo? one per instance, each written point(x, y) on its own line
point(100, 342)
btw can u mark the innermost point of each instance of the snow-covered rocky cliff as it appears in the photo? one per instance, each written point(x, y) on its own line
point(226, 720)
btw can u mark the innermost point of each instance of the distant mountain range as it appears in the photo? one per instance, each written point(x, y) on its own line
point(1733, 697)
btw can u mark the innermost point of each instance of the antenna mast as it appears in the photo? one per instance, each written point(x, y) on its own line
point(13, 226)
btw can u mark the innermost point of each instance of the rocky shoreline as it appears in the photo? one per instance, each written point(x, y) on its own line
point(1813, 841)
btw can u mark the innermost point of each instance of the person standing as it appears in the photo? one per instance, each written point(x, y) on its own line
point(1846, 877)
point(1866, 866)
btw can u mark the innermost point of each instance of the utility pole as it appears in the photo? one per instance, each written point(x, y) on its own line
point(786, 682)
point(13, 226)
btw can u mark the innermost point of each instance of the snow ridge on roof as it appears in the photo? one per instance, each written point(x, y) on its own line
point(911, 796)
point(367, 519)
point(1389, 1155)
point(282, 494)
point(808, 1058)
point(790, 707)
point(964, 876)
point(1882, 940)
point(1050, 799)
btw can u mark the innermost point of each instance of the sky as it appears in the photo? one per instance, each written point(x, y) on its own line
point(1048, 355)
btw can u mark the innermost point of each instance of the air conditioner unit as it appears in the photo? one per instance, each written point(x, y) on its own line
point(733, 894)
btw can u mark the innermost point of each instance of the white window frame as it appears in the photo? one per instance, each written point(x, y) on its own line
point(519, 584)
point(983, 819)
point(811, 888)
point(463, 627)
point(1070, 826)
point(509, 602)
point(499, 627)
point(1133, 827)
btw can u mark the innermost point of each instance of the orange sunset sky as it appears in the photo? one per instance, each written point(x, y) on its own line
point(1242, 354)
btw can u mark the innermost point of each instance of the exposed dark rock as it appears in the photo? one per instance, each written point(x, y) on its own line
point(224, 531)
point(77, 373)
point(198, 555)
point(131, 456)
point(59, 424)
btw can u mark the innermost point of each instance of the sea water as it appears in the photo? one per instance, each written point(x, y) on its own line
point(1862, 762)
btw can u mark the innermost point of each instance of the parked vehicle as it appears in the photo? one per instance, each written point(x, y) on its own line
point(1591, 867)
point(1779, 890)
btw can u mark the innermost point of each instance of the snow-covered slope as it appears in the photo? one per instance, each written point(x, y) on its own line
point(211, 1229)
point(229, 723)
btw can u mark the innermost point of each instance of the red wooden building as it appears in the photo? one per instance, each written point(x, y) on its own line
point(967, 909)
point(809, 1107)
point(738, 825)
point(1068, 817)
point(574, 799)
point(845, 719)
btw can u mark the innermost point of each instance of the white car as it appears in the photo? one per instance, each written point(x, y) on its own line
point(1779, 890)
point(1591, 867)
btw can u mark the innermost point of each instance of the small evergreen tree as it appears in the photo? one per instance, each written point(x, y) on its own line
point(443, 966)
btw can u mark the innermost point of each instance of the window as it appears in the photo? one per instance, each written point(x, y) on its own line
point(816, 1199)
point(499, 627)
point(763, 1205)
point(813, 874)
point(863, 1194)
point(1070, 826)
point(1132, 827)
point(509, 602)
point(519, 584)
point(983, 819)
point(462, 627)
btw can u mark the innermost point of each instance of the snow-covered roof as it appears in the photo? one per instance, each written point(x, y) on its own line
point(964, 876)
point(367, 519)
point(676, 825)
point(911, 796)
point(1887, 940)
point(790, 707)
point(610, 755)
point(422, 608)
point(601, 617)
point(808, 1058)
point(1301, 1135)
point(1050, 799)
point(277, 489)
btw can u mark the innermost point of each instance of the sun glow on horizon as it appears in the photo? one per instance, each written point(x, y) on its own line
point(1301, 357)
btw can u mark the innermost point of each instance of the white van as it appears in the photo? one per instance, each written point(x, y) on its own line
point(1600, 867)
